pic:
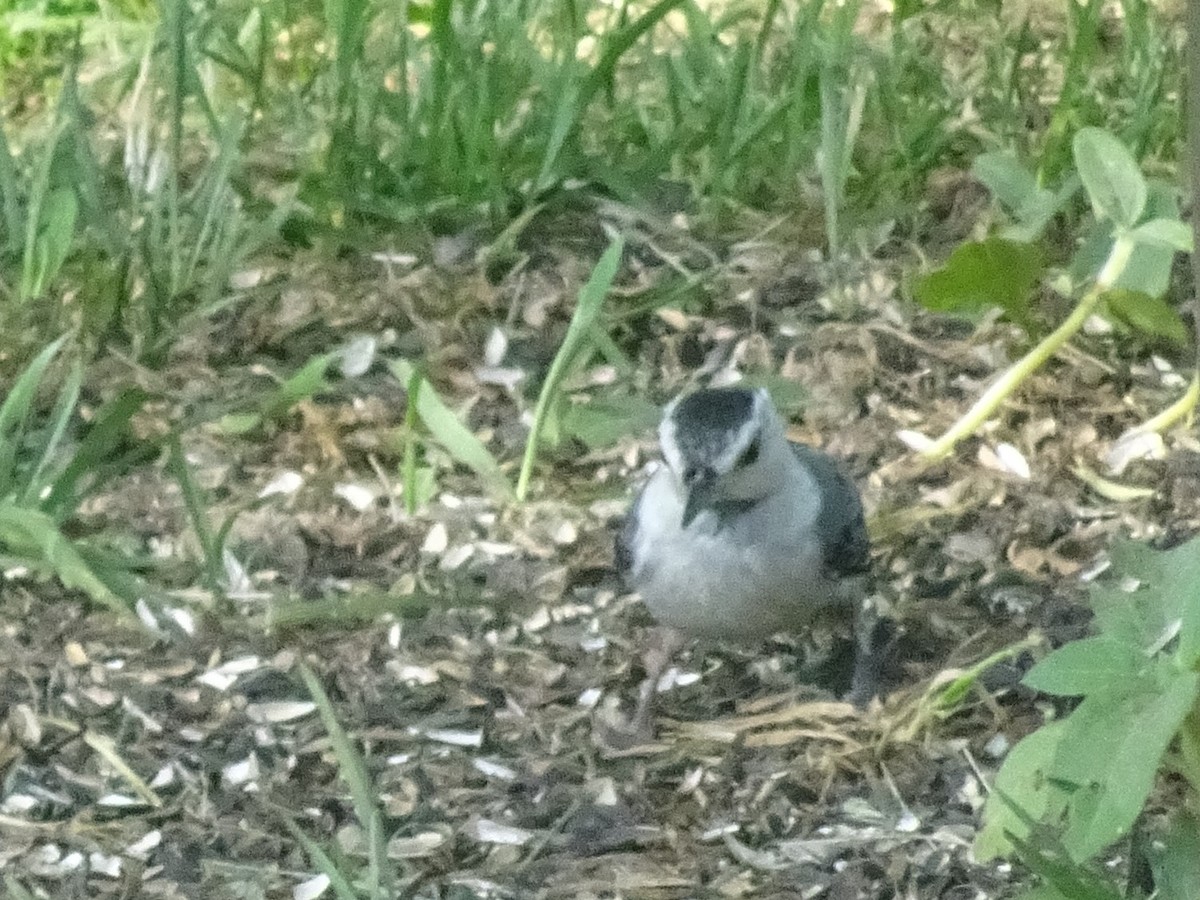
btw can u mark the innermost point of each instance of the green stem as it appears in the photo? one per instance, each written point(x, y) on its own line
point(410, 444)
point(991, 399)
point(1176, 411)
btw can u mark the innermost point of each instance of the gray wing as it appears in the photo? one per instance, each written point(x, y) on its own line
point(626, 539)
point(844, 542)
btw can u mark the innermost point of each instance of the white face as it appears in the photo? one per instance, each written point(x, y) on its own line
point(734, 452)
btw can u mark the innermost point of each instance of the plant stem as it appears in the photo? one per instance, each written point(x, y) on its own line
point(411, 418)
point(991, 399)
point(1176, 411)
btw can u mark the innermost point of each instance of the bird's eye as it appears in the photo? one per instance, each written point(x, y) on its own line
point(750, 455)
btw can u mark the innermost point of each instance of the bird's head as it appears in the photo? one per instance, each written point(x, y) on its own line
point(722, 444)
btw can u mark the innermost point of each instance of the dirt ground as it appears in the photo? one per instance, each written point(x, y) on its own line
point(479, 652)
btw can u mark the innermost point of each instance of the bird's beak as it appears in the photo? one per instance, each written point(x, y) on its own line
point(699, 494)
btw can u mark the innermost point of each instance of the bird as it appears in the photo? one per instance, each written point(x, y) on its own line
point(743, 534)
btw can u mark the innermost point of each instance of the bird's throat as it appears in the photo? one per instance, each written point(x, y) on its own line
point(724, 511)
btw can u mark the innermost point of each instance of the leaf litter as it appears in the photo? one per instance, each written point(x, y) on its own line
point(473, 650)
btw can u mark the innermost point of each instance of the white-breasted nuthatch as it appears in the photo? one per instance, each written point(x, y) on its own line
point(743, 533)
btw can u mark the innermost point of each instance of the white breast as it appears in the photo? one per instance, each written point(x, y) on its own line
point(760, 574)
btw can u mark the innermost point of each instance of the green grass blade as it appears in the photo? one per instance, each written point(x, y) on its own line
point(10, 206)
point(403, 99)
point(306, 382)
point(575, 93)
point(362, 796)
point(87, 175)
point(841, 116)
point(106, 748)
point(765, 28)
point(219, 214)
point(451, 433)
point(342, 888)
point(587, 310)
point(107, 449)
point(735, 102)
point(567, 110)
point(803, 110)
point(68, 397)
point(409, 462)
point(33, 534)
point(177, 465)
point(30, 261)
point(617, 43)
point(54, 239)
point(175, 23)
point(14, 413)
point(350, 762)
point(349, 610)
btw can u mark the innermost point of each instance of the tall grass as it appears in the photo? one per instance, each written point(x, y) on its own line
point(48, 469)
point(151, 227)
point(460, 113)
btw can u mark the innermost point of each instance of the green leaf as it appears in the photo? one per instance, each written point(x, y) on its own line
point(33, 534)
point(305, 383)
point(1111, 752)
point(1042, 206)
point(15, 410)
point(1091, 665)
point(1009, 181)
point(604, 421)
point(451, 433)
point(1174, 234)
point(107, 449)
point(1064, 878)
point(1021, 792)
point(1153, 316)
point(981, 275)
point(587, 311)
point(1090, 775)
point(1180, 581)
point(53, 241)
point(1091, 772)
point(1149, 269)
point(1111, 176)
point(1161, 606)
point(1177, 864)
